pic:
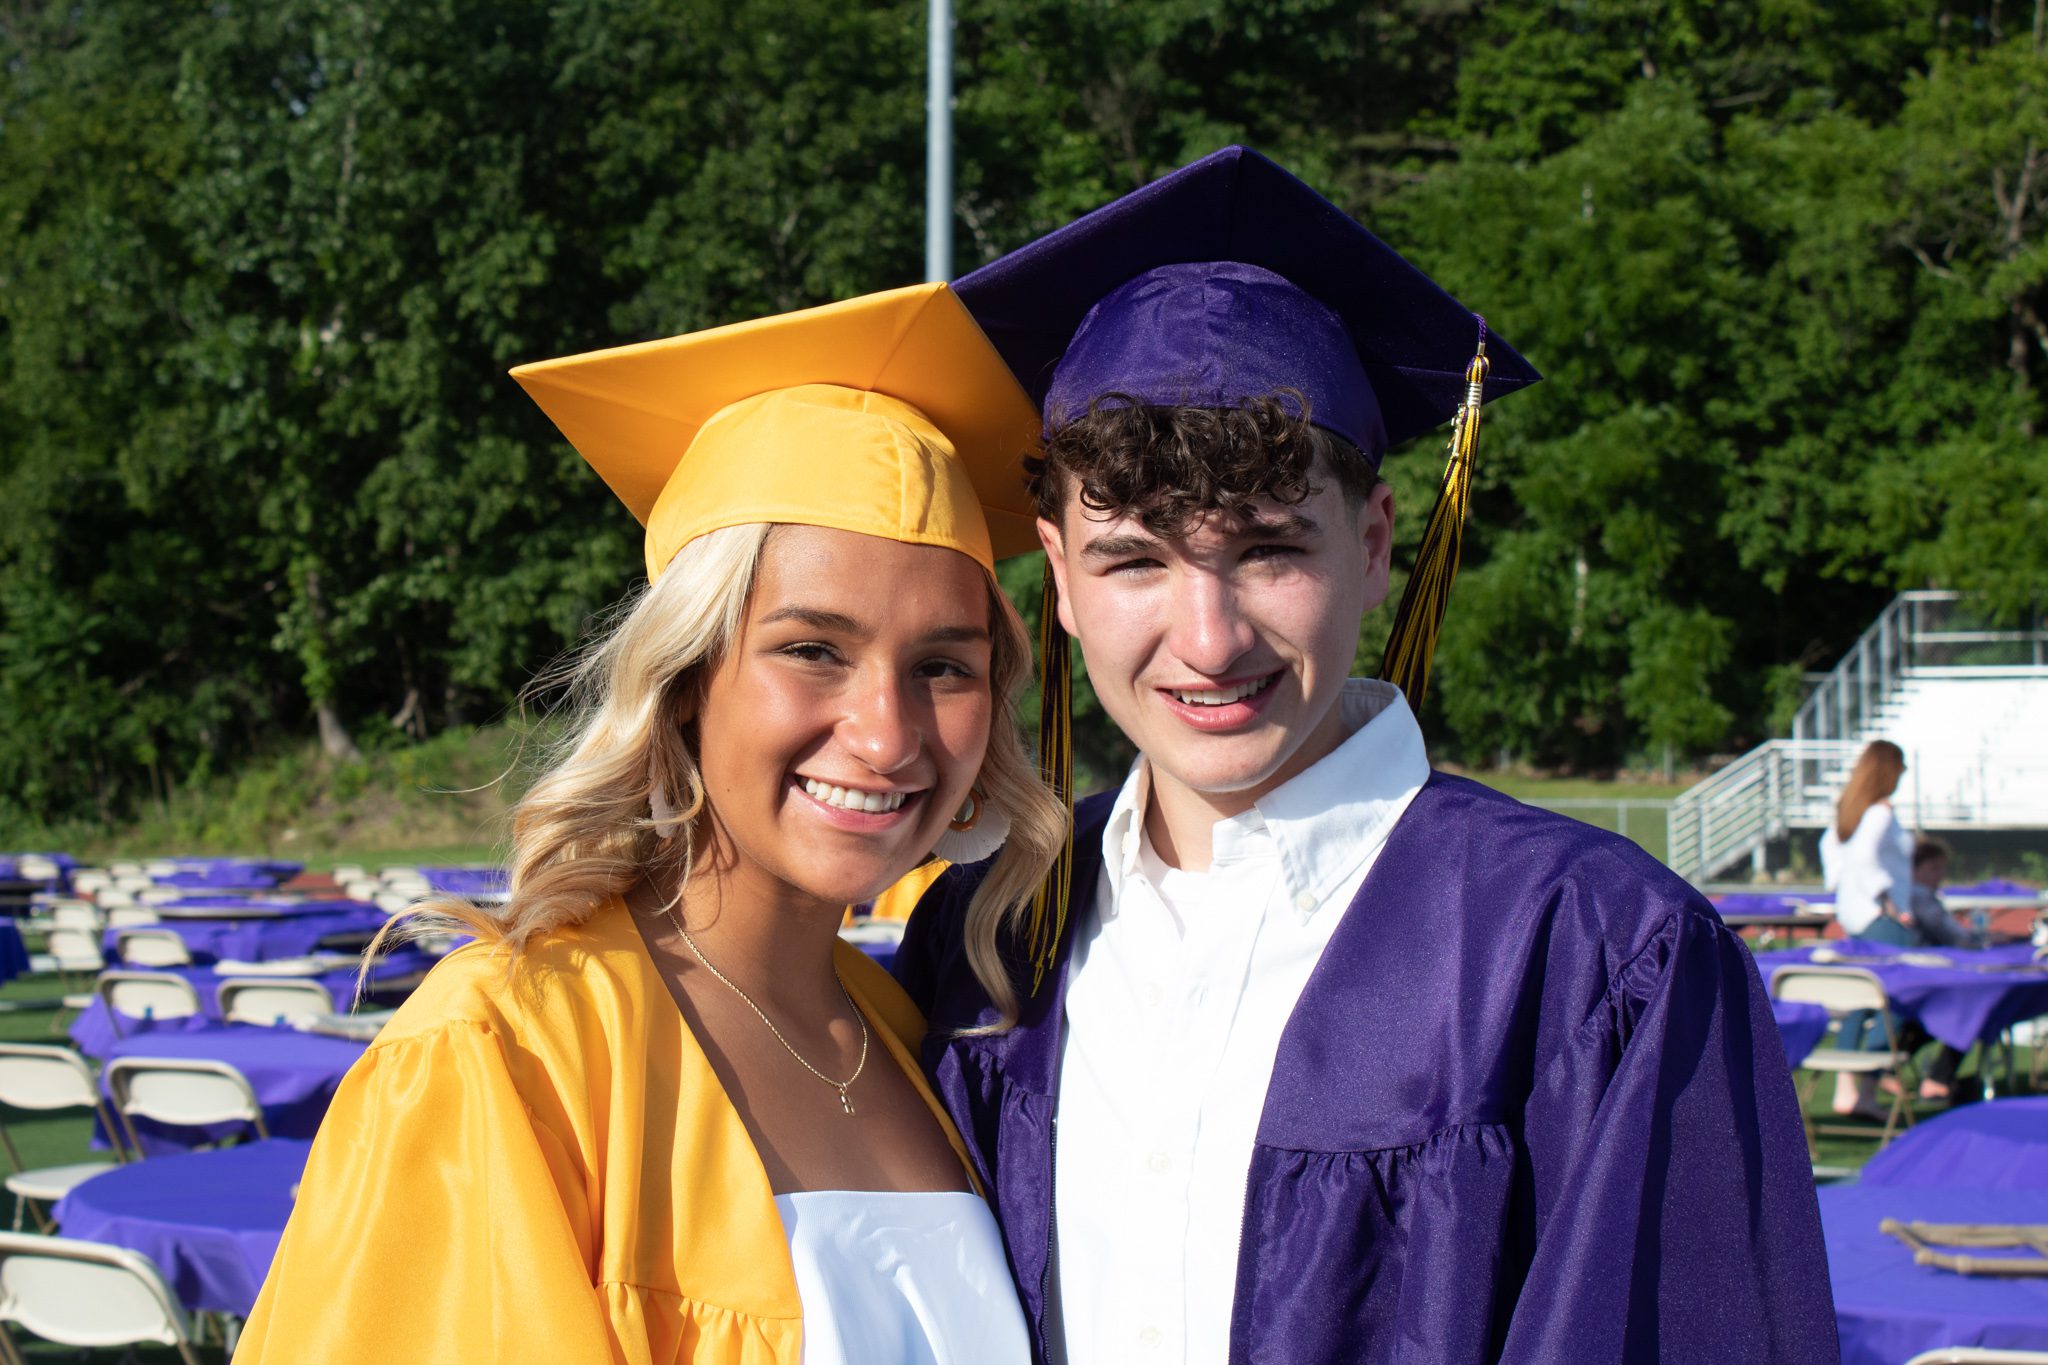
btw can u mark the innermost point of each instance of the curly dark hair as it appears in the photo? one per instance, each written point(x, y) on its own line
point(1172, 466)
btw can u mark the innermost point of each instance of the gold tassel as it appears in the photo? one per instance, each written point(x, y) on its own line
point(1056, 762)
point(1412, 643)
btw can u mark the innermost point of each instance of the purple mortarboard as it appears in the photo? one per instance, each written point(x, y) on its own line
point(1221, 283)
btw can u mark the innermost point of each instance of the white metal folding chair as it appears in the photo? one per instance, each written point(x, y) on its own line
point(190, 1092)
point(146, 995)
point(159, 867)
point(125, 869)
point(86, 1294)
point(87, 880)
point(1978, 1355)
point(362, 888)
point(1842, 991)
point(107, 897)
point(151, 948)
point(344, 873)
point(34, 867)
point(132, 882)
point(39, 1078)
point(137, 916)
point(160, 895)
point(77, 915)
point(273, 1000)
point(391, 903)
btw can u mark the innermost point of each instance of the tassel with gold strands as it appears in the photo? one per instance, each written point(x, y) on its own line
point(1412, 643)
point(1056, 762)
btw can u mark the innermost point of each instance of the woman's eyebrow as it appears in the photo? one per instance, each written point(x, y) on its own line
point(839, 623)
point(817, 618)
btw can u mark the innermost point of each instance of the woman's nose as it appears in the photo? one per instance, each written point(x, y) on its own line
point(881, 728)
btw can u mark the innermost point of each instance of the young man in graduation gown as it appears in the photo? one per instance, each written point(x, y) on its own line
point(1332, 1058)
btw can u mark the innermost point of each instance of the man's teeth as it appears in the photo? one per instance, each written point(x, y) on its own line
point(1221, 696)
point(846, 799)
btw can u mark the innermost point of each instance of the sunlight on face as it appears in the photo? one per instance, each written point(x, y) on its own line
point(846, 724)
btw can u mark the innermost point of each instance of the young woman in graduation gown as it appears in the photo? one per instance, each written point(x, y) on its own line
point(659, 1112)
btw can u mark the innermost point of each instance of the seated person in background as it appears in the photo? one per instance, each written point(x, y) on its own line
point(1936, 928)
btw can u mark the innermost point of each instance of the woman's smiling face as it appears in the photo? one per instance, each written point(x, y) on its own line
point(845, 725)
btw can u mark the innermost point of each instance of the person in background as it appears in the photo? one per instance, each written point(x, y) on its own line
point(1335, 1060)
point(661, 1113)
point(1935, 927)
point(1866, 859)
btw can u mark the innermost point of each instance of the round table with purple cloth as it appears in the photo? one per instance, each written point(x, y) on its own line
point(1800, 1027)
point(210, 1220)
point(466, 881)
point(13, 952)
point(2002, 1145)
point(293, 1074)
point(1970, 1001)
point(93, 1032)
point(293, 931)
point(220, 872)
point(1889, 1309)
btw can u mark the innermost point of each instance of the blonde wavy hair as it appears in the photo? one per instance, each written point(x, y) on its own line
point(585, 831)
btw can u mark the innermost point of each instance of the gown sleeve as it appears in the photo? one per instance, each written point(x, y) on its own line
point(436, 1222)
point(1675, 1216)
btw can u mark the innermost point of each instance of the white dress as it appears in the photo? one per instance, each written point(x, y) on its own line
point(891, 1278)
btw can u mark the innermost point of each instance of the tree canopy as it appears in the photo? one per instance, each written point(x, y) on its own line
point(263, 267)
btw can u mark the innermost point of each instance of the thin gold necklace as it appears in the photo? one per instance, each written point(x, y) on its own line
point(761, 1014)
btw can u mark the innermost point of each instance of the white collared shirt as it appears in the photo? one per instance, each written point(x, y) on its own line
point(1179, 988)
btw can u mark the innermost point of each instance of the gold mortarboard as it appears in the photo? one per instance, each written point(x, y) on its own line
point(890, 415)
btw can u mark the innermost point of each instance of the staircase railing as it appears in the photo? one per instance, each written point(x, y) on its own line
point(1737, 812)
point(1926, 631)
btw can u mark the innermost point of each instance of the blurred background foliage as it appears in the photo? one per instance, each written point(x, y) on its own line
point(263, 267)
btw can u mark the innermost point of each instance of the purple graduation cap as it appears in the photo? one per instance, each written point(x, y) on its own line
point(1222, 283)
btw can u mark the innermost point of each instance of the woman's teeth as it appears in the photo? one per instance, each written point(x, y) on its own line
point(845, 799)
point(1222, 696)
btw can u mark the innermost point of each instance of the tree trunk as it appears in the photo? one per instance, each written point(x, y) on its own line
point(334, 736)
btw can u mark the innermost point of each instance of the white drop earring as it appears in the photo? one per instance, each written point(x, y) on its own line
point(975, 831)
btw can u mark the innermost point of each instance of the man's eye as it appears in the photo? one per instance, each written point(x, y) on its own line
point(1134, 566)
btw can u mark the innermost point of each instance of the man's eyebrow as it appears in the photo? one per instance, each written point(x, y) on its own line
point(1288, 525)
point(1106, 548)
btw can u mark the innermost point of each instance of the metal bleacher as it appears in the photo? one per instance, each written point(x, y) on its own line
point(1967, 702)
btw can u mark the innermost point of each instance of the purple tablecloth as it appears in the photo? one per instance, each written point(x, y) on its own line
point(1800, 1027)
point(1999, 1146)
point(13, 952)
point(1995, 887)
point(466, 881)
point(230, 872)
point(297, 930)
point(292, 1073)
point(210, 1220)
point(1959, 1005)
point(1889, 1310)
point(392, 975)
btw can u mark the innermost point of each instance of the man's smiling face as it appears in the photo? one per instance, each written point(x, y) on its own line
point(1221, 652)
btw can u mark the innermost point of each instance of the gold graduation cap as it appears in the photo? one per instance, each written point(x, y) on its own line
point(890, 415)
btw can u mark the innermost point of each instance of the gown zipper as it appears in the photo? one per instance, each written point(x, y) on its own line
point(1052, 1214)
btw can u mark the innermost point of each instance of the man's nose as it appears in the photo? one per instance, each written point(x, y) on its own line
point(1208, 631)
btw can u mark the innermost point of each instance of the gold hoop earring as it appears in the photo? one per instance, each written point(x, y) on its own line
point(970, 810)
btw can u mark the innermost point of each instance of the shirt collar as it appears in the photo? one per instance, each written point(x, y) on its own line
point(1324, 822)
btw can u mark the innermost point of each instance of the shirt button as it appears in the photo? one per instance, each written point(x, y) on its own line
point(1305, 901)
point(1150, 1336)
point(1154, 994)
point(1158, 1161)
